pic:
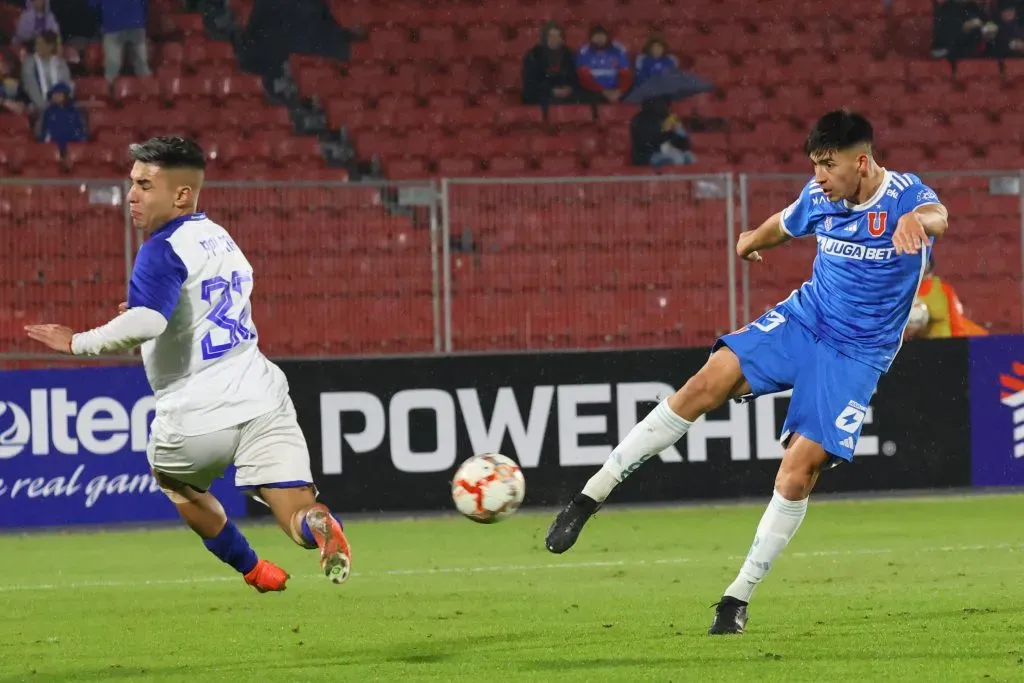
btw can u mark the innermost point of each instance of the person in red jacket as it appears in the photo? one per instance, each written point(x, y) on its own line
point(603, 67)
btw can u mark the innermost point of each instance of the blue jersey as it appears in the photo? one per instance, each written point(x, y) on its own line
point(859, 297)
point(648, 67)
point(605, 64)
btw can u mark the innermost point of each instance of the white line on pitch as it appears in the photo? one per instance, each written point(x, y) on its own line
point(74, 585)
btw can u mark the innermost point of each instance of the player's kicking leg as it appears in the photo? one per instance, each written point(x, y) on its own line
point(798, 473)
point(205, 515)
point(719, 379)
point(311, 525)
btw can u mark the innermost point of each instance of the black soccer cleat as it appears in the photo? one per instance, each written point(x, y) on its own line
point(730, 617)
point(569, 523)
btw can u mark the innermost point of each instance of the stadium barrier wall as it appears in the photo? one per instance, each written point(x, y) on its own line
point(387, 434)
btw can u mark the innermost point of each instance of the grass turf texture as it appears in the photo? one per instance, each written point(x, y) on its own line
point(909, 590)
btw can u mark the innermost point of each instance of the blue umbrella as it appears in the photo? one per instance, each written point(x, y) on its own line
point(675, 85)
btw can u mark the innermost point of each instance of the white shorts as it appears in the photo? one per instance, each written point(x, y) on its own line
point(268, 450)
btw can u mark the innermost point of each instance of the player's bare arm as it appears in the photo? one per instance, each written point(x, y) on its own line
point(768, 235)
point(915, 228)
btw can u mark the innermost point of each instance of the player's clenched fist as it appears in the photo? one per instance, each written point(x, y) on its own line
point(745, 247)
point(910, 236)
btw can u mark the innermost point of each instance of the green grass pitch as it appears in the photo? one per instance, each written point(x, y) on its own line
point(921, 589)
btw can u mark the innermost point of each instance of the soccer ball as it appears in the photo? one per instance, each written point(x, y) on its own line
point(919, 317)
point(488, 487)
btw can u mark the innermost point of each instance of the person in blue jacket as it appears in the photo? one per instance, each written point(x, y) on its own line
point(654, 59)
point(603, 67)
point(62, 121)
point(124, 25)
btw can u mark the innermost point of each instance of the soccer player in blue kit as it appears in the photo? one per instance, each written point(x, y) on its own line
point(829, 341)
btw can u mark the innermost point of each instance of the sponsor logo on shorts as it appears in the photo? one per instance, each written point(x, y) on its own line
point(851, 418)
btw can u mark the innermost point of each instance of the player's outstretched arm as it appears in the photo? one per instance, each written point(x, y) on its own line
point(769, 234)
point(916, 227)
point(129, 329)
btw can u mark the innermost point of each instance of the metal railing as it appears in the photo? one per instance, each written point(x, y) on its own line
point(351, 269)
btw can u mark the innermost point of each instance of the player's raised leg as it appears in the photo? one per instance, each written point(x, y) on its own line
point(720, 378)
point(311, 525)
point(797, 475)
point(272, 464)
point(205, 515)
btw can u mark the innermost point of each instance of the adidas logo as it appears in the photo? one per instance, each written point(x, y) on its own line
point(847, 442)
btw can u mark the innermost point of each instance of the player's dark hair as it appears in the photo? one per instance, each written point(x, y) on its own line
point(169, 152)
point(838, 130)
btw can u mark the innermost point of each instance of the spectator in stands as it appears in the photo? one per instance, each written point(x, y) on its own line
point(959, 26)
point(657, 136)
point(549, 70)
point(34, 21)
point(655, 59)
point(62, 122)
point(603, 68)
point(945, 314)
point(279, 28)
point(124, 26)
point(12, 95)
point(1007, 38)
point(43, 70)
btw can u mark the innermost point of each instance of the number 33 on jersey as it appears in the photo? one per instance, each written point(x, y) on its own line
point(192, 272)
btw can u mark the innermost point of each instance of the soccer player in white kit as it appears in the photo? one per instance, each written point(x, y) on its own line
point(219, 400)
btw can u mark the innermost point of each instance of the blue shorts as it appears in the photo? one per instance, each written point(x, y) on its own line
point(831, 391)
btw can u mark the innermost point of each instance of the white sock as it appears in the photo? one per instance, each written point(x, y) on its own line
point(656, 432)
point(777, 527)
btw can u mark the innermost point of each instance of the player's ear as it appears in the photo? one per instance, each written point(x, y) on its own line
point(184, 196)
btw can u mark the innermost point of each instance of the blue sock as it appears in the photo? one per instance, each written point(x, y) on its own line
point(307, 535)
point(232, 548)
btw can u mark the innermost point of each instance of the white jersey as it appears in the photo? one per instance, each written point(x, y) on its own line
point(206, 369)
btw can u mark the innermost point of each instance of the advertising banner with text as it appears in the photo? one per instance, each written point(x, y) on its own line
point(73, 449)
point(997, 411)
point(387, 434)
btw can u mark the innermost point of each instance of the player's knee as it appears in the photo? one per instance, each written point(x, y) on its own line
point(799, 469)
point(794, 484)
point(175, 491)
point(703, 392)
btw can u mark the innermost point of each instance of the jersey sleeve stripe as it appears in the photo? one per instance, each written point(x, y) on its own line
point(899, 182)
point(782, 224)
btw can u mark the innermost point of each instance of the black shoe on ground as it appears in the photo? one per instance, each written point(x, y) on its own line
point(569, 523)
point(730, 617)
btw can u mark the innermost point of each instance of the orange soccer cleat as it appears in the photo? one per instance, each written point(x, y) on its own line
point(335, 554)
point(267, 577)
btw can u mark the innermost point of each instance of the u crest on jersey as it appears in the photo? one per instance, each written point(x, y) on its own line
point(876, 222)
